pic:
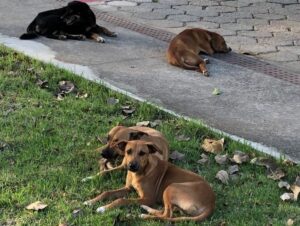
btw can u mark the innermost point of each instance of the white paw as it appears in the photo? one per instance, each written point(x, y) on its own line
point(145, 208)
point(142, 215)
point(101, 209)
point(87, 203)
point(100, 39)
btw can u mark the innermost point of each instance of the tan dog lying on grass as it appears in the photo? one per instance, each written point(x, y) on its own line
point(159, 181)
point(185, 48)
point(111, 150)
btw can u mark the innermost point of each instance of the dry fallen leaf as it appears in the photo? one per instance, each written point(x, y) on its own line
point(127, 110)
point(143, 123)
point(233, 169)
point(221, 159)
point(222, 175)
point(266, 162)
point(82, 95)
point(76, 212)
point(155, 123)
point(66, 86)
point(204, 159)
point(284, 184)
point(112, 101)
point(287, 196)
point(239, 157)
point(296, 190)
point(213, 146)
point(289, 222)
point(216, 91)
point(182, 137)
point(42, 83)
point(175, 155)
point(275, 174)
point(36, 206)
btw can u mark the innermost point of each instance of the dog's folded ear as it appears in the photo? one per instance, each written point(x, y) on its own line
point(122, 145)
point(153, 148)
point(136, 135)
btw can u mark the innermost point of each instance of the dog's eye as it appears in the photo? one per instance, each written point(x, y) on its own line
point(129, 151)
point(142, 153)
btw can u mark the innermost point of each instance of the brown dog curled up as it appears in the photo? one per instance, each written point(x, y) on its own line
point(185, 48)
point(111, 151)
point(158, 181)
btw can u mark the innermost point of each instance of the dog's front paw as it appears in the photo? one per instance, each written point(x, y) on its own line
point(88, 203)
point(100, 39)
point(101, 209)
point(143, 215)
point(145, 207)
point(114, 34)
point(206, 60)
point(82, 37)
point(62, 37)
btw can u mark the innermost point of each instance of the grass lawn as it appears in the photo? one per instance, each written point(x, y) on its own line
point(47, 146)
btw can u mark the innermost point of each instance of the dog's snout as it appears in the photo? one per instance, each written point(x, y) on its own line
point(133, 166)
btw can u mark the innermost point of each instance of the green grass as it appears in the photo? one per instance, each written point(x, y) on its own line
point(51, 147)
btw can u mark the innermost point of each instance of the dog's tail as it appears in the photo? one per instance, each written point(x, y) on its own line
point(27, 36)
point(198, 218)
point(189, 67)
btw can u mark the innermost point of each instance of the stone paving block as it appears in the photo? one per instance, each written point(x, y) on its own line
point(285, 2)
point(121, 3)
point(175, 30)
point(151, 15)
point(235, 3)
point(256, 49)
point(293, 7)
point(287, 35)
point(135, 9)
point(253, 9)
point(139, 1)
point(220, 19)
point(237, 27)
point(294, 17)
point(169, 11)
point(223, 9)
point(297, 42)
point(173, 2)
point(238, 15)
point(251, 1)
point(183, 18)
point(243, 40)
point(105, 8)
point(281, 56)
point(268, 5)
point(252, 21)
point(204, 2)
point(291, 25)
point(201, 13)
point(256, 34)
point(269, 16)
point(292, 49)
point(164, 23)
point(202, 24)
point(154, 5)
point(224, 32)
point(270, 28)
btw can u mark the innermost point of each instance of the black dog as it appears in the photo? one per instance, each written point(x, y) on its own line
point(74, 21)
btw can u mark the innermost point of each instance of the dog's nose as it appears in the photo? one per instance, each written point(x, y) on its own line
point(133, 166)
point(229, 49)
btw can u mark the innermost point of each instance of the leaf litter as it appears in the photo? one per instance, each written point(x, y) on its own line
point(213, 146)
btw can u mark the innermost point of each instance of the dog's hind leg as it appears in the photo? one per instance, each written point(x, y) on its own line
point(100, 30)
point(193, 60)
point(76, 37)
point(97, 38)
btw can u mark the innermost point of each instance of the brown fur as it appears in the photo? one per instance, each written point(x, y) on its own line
point(159, 181)
point(185, 48)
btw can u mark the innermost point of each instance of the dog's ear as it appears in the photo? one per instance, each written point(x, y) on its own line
point(136, 135)
point(122, 145)
point(153, 148)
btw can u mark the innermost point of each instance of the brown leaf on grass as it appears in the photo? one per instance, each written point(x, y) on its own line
point(42, 83)
point(284, 184)
point(287, 196)
point(223, 176)
point(204, 159)
point(266, 162)
point(233, 169)
point(38, 205)
point(288, 162)
point(175, 155)
point(76, 212)
point(289, 222)
point(127, 110)
point(155, 123)
point(239, 157)
point(276, 174)
point(112, 101)
point(60, 96)
point(213, 146)
point(296, 190)
point(143, 123)
point(66, 86)
point(182, 137)
point(221, 159)
point(82, 95)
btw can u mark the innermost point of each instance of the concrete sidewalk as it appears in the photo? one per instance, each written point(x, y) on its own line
point(252, 105)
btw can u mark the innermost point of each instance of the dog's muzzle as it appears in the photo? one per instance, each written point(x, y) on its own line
point(108, 153)
point(133, 166)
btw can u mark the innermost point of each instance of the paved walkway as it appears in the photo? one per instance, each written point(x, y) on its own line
point(252, 105)
point(267, 29)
